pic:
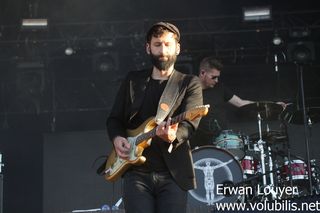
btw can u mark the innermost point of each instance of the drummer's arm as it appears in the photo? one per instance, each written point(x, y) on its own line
point(238, 102)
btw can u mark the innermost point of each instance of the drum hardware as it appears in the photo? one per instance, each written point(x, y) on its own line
point(270, 182)
point(245, 139)
point(296, 117)
point(268, 111)
point(289, 155)
point(305, 116)
point(253, 182)
point(271, 136)
point(260, 148)
point(271, 177)
point(315, 176)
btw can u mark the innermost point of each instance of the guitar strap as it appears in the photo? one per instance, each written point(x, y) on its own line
point(169, 96)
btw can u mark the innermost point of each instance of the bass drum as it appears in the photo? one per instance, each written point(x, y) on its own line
point(214, 168)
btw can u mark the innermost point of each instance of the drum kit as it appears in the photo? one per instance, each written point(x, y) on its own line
point(250, 168)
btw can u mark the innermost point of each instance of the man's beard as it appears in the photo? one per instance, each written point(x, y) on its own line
point(161, 64)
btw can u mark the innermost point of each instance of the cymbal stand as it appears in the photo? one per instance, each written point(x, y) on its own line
point(261, 150)
point(271, 174)
point(270, 166)
point(270, 162)
point(262, 159)
point(285, 128)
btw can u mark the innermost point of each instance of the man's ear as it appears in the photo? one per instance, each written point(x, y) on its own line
point(178, 49)
point(148, 48)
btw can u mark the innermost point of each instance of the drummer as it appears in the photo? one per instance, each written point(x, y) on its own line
point(215, 94)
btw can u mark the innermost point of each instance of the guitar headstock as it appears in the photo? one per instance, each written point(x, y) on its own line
point(197, 112)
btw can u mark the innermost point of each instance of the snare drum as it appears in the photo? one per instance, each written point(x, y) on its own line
point(213, 167)
point(232, 142)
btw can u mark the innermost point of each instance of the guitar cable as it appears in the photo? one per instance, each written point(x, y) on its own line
point(101, 169)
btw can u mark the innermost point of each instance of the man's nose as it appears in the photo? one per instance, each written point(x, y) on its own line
point(162, 48)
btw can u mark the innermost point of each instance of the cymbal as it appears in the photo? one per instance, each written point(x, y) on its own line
point(296, 117)
point(268, 110)
point(271, 136)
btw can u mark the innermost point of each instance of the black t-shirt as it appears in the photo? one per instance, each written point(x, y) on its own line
point(216, 118)
point(148, 109)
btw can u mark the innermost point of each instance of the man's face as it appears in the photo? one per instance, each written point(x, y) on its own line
point(163, 50)
point(209, 78)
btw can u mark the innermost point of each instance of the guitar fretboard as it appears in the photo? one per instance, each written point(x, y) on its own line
point(152, 133)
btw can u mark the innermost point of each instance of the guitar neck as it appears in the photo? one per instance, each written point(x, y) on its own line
point(152, 133)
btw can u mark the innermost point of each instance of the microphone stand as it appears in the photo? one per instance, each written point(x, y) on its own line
point(305, 122)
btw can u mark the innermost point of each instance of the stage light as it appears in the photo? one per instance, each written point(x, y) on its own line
point(69, 51)
point(277, 40)
point(34, 24)
point(256, 13)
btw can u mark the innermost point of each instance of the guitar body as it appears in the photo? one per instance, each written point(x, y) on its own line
point(115, 166)
point(140, 139)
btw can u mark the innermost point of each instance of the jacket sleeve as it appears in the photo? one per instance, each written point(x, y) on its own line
point(192, 98)
point(116, 122)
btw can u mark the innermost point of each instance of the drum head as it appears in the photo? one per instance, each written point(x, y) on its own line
point(213, 168)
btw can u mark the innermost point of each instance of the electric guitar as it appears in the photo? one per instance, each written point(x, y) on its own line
point(139, 139)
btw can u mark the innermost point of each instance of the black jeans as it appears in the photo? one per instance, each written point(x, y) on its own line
point(154, 192)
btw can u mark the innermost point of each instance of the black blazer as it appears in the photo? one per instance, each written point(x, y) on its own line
point(127, 103)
